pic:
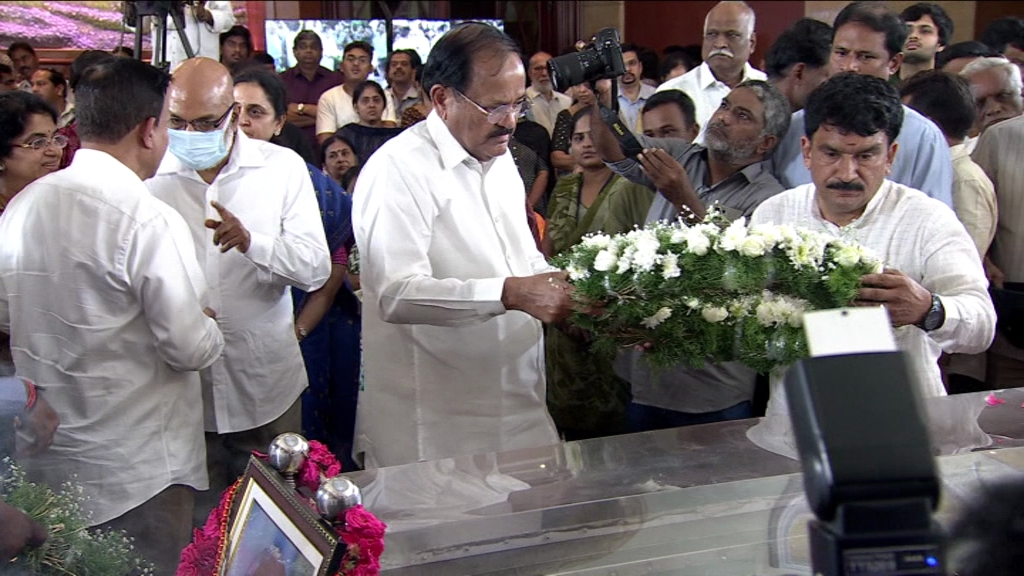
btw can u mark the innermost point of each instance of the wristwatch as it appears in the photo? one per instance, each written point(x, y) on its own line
point(301, 109)
point(935, 317)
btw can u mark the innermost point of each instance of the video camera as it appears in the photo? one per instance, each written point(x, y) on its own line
point(599, 60)
point(135, 13)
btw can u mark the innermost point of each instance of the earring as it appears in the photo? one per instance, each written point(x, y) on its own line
point(277, 133)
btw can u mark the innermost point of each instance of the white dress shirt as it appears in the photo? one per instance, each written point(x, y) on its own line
point(448, 370)
point(544, 111)
point(268, 188)
point(922, 238)
point(335, 109)
point(202, 37)
point(629, 110)
point(706, 91)
point(103, 298)
point(1000, 153)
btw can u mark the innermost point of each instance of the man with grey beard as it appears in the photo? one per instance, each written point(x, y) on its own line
point(730, 171)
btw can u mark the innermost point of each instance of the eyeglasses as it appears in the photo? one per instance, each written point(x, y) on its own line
point(42, 142)
point(517, 109)
point(201, 125)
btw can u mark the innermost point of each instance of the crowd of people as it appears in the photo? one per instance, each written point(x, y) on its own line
point(201, 239)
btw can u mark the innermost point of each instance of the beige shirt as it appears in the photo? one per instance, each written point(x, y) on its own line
point(974, 198)
point(1000, 153)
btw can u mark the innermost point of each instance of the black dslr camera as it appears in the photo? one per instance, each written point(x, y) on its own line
point(599, 60)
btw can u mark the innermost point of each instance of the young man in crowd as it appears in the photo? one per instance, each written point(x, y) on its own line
point(929, 31)
point(306, 82)
point(335, 107)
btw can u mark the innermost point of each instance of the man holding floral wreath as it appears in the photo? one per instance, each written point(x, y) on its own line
point(933, 287)
point(730, 170)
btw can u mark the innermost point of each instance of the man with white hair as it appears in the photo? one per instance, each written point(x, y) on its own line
point(545, 102)
point(729, 40)
point(996, 87)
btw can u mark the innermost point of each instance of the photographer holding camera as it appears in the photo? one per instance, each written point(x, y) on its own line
point(204, 22)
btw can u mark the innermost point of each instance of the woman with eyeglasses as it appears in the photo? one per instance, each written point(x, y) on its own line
point(30, 147)
point(327, 320)
point(370, 132)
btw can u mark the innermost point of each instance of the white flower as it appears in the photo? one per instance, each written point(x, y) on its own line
point(692, 303)
point(625, 260)
point(714, 314)
point(753, 246)
point(657, 318)
point(847, 256)
point(679, 235)
point(768, 232)
point(646, 248)
point(670, 266)
point(733, 236)
point(605, 261)
point(577, 272)
point(597, 241)
point(697, 242)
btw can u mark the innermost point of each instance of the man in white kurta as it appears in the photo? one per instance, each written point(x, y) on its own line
point(452, 280)
point(265, 192)
point(931, 262)
point(204, 22)
point(103, 298)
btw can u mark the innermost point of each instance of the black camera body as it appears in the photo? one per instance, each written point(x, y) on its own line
point(869, 473)
point(602, 58)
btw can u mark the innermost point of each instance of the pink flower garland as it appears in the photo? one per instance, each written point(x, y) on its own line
point(361, 531)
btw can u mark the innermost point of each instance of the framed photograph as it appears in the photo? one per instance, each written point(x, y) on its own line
point(272, 532)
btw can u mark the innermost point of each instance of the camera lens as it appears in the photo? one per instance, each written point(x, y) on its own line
point(576, 68)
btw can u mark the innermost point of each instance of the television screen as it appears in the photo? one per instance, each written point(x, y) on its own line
point(419, 35)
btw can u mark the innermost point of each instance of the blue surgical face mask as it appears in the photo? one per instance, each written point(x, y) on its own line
point(199, 150)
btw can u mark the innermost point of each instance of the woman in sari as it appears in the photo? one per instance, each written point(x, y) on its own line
point(585, 397)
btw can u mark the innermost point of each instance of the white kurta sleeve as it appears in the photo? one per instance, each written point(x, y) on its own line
point(161, 268)
point(953, 271)
point(298, 255)
point(394, 218)
point(223, 16)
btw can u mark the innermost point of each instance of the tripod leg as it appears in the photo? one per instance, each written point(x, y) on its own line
point(179, 25)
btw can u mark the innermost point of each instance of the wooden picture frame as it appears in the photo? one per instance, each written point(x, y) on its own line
point(273, 531)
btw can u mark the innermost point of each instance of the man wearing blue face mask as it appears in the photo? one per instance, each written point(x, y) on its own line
point(254, 218)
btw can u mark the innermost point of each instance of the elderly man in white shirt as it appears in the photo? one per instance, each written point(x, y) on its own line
point(454, 287)
point(545, 101)
point(933, 287)
point(105, 310)
point(204, 23)
point(729, 40)
point(254, 218)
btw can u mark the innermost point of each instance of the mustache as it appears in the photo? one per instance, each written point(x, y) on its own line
point(722, 52)
point(845, 186)
point(500, 131)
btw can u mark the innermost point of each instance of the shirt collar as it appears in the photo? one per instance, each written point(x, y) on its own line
point(452, 152)
point(959, 150)
point(870, 210)
point(706, 78)
point(750, 171)
point(320, 73)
